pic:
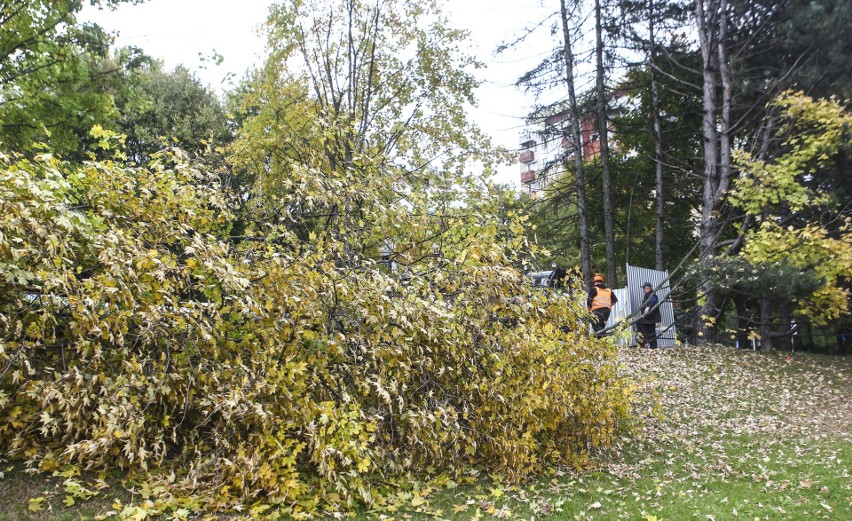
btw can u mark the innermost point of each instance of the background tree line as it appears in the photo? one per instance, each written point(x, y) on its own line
point(686, 91)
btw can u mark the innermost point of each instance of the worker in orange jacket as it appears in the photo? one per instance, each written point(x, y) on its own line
point(600, 302)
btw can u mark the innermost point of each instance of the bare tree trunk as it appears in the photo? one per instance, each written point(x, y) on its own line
point(712, 25)
point(785, 319)
point(576, 132)
point(725, 124)
point(659, 260)
point(765, 322)
point(603, 132)
point(743, 321)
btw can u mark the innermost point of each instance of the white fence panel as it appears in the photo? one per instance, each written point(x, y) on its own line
point(637, 276)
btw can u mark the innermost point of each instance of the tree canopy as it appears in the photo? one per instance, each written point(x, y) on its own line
point(54, 74)
point(353, 313)
point(694, 90)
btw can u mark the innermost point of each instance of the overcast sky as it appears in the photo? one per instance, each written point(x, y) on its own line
point(180, 31)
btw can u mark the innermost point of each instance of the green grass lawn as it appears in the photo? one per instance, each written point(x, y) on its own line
point(739, 435)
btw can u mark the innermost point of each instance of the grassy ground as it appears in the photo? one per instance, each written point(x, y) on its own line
point(743, 435)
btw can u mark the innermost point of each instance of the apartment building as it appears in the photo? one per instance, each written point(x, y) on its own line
point(547, 153)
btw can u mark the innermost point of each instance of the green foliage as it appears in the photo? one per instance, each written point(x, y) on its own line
point(681, 140)
point(798, 48)
point(746, 282)
point(387, 81)
point(633, 176)
point(814, 133)
point(168, 108)
point(54, 75)
point(59, 104)
point(800, 223)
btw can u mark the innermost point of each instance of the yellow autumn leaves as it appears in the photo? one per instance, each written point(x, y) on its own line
point(288, 368)
point(792, 214)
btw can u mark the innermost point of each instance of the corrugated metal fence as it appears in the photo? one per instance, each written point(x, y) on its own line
point(630, 299)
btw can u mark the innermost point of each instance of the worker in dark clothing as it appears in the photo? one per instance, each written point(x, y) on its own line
point(650, 315)
point(600, 302)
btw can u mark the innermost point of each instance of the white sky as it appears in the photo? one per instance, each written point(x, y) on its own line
point(178, 31)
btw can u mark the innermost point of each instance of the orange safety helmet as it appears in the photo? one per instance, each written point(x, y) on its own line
point(598, 277)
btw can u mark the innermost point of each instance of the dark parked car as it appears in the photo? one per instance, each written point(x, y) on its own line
point(556, 278)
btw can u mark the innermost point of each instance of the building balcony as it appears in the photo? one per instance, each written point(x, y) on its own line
point(527, 177)
point(527, 156)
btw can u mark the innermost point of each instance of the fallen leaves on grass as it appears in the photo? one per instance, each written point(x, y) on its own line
point(743, 392)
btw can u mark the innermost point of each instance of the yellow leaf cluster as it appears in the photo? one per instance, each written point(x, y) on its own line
point(818, 235)
point(135, 333)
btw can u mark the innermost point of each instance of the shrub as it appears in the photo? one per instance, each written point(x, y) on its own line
point(137, 333)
